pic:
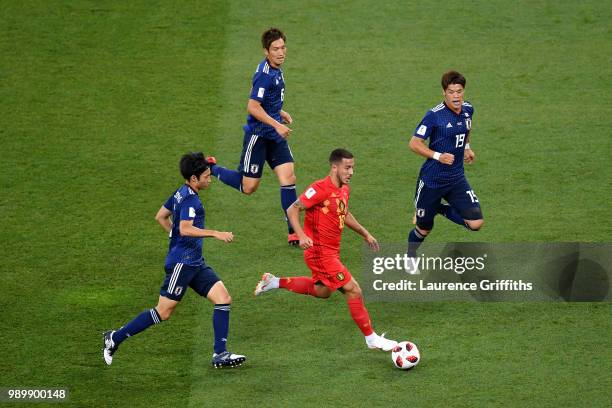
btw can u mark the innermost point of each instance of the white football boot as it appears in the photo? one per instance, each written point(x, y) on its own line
point(380, 343)
point(267, 282)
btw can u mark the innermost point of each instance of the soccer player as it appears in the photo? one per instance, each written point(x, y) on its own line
point(266, 133)
point(448, 128)
point(326, 206)
point(185, 266)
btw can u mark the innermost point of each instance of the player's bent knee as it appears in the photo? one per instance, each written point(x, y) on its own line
point(352, 290)
point(424, 229)
point(354, 293)
point(474, 225)
point(249, 185)
point(321, 291)
point(291, 179)
point(218, 294)
point(248, 190)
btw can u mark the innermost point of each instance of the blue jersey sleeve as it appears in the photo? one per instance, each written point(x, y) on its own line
point(168, 203)
point(189, 208)
point(424, 129)
point(470, 111)
point(261, 84)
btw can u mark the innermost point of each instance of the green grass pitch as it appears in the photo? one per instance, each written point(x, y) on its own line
point(99, 99)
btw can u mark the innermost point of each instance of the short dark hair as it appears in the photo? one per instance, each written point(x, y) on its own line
point(338, 154)
point(452, 77)
point(270, 35)
point(193, 164)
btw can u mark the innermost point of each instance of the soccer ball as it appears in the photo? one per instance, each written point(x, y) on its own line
point(405, 355)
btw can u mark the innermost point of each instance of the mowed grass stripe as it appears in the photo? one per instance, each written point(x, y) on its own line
point(102, 101)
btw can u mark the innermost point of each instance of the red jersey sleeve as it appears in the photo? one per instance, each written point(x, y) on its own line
point(314, 194)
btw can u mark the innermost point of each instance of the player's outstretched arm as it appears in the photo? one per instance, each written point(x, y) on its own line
point(163, 218)
point(257, 111)
point(417, 145)
point(351, 222)
point(187, 229)
point(293, 215)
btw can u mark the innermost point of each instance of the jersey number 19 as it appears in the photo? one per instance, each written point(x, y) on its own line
point(460, 140)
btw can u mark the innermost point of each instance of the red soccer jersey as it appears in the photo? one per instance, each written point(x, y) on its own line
point(326, 208)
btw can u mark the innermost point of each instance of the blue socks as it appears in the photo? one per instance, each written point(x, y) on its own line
point(288, 197)
point(150, 317)
point(449, 212)
point(232, 178)
point(140, 323)
point(221, 326)
point(414, 242)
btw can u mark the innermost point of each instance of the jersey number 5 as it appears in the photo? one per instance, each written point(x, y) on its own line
point(460, 140)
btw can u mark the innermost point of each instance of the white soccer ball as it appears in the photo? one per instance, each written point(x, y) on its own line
point(405, 355)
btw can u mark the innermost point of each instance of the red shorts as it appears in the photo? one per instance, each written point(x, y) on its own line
point(328, 270)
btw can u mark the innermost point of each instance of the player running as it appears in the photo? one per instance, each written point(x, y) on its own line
point(448, 127)
point(266, 133)
point(326, 206)
point(185, 266)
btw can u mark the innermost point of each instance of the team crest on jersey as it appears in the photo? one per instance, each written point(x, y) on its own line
point(178, 290)
point(341, 206)
point(254, 168)
point(340, 276)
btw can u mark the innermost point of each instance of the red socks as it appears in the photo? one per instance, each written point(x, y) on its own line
point(305, 286)
point(360, 315)
point(299, 284)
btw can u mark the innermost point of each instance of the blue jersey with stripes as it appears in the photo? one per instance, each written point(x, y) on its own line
point(268, 89)
point(185, 204)
point(447, 132)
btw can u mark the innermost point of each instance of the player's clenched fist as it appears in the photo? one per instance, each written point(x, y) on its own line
point(469, 156)
point(447, 158)
point(305, 242)
point(282, 130)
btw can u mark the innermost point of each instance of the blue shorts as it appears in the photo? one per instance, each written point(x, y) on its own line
point(459, 195)
point(180, 276)
point(257, 149)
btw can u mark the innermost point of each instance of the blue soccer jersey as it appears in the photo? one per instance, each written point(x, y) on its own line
point(185, 204)
point(268, 89)
point(447, 132)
